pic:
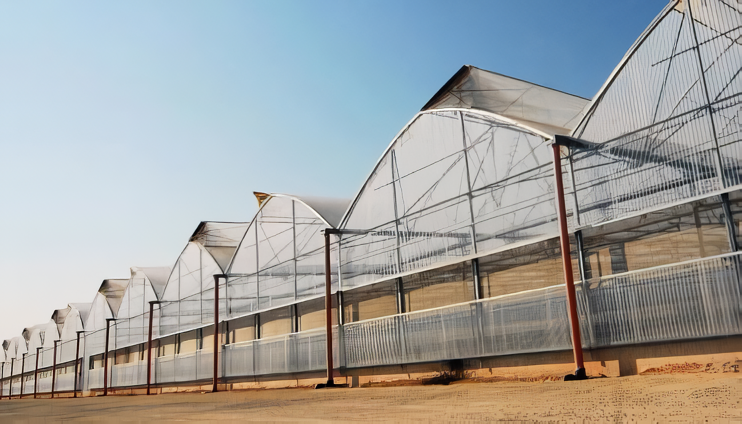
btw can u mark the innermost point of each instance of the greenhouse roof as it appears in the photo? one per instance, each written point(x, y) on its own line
point(113, 290)
point(542, 108)
point(157, 276)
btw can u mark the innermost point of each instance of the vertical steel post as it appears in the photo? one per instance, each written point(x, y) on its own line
point(105, 357)
point(10, 387)
point(731, 231)
point(149, 347)
point(77, 363)
point(215, 389)
point(2, 374)
point(328, 307)
point(23, 369)
point(36, 374)
point(399, 287)
point(54, 367)
point(567, 266)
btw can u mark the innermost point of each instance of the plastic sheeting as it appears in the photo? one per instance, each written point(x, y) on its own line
point(452, 184)
point(543, 108)
point(678, 94)
point(281, 258)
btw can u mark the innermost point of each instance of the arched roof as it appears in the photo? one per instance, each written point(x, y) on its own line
point(454, 183)
point(328, 210)
point(280, 259)
point(208, 252)
point(156, 276)
point(74, 317)
point(113, 291)
point(220, 239)
point(543, 108)
point(106, 303)
point(14, 347)
point(41, 335)
point(665, 125)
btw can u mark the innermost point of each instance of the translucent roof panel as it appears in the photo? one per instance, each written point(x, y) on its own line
point(220, 239)
point(74, 320)
point(208, 252)
point(543, 108)
point(140, 291)
point(281, 258)
point(192, 273)
point(42, 335)
point(14, 347)
point(452, 184)
point(666, 125)
point(106, 303)
point(132, 326)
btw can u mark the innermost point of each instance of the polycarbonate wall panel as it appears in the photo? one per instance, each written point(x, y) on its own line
point(65, 381)
point(296, 352)
point(95, 378)
point(532, 321)
point(186, 367)
point(675, 302)
point(129, 374)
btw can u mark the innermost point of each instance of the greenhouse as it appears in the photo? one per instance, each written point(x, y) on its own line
point(451, 249)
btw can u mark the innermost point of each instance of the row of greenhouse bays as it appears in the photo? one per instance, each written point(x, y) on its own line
point(686, 232)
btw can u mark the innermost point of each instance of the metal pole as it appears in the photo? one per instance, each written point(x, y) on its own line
point(105, 358)
point(23, 368)
point(77, 363)
point(567, 266)
point(10, 388)
point(214, 389)
point(36, 374)
point(328, 308)
point(2, 373)
point(54, 367)
point(149, 346)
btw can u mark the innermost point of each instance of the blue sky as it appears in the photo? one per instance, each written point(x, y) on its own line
point(125, 124)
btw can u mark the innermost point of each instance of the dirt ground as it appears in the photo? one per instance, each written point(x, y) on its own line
point(673, 398)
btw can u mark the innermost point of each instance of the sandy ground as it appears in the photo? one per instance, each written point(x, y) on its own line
point(649, 398)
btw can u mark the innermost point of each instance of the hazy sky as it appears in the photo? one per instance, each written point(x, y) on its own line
point(125, 124)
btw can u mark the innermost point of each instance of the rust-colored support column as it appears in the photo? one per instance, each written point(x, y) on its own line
point(214, 389)
point(2, 373)
point(567, 266)
point(149, 346)
point(10, 387)
point(328, 310)
point(23, 368)
point(54, 367)
point(78, 368)
point(105, 357)
point(36, 374)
